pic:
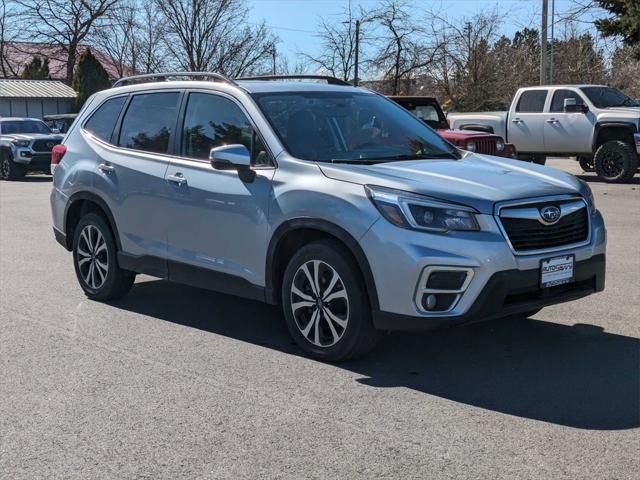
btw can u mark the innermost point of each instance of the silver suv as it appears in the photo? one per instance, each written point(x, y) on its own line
point(330, 200)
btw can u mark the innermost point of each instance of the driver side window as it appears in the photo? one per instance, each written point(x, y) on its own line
point(212, 121)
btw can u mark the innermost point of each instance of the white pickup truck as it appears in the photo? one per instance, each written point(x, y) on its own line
point(598, 125)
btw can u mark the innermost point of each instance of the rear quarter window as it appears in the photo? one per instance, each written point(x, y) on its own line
point(103, 120)
point(532, 101)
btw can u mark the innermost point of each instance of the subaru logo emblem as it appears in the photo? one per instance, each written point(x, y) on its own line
point(550, 214)
point(50, 144)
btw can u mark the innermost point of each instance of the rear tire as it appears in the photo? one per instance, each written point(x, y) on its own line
point(10, 170)
point(616, 161)
point(329, 318)
point(586, 163)
point(95, 260)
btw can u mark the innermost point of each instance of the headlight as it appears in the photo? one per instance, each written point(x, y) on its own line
point(591, 203)
point(500, 145)
point(409, 210)
point(21, 143)
point(471, 146)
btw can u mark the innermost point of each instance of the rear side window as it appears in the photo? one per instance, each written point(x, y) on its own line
point(104, 119)
point(149, 122)
point(532, 101)
point(557, 102)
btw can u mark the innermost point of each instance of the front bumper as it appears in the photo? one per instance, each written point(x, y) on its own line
point(509, 293)
point(33, 160)
point(502, 284)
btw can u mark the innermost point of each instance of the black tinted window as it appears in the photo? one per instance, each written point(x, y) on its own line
point(557, 102)
point(149, 120)
point(24, 126)
point(532, 101)
point(104, 119)
point(211, 121)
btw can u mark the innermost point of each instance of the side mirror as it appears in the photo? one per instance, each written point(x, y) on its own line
point(233, 157)
point(571, 106)
point(55, 130)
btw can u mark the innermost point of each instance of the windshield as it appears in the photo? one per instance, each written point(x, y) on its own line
point(23, 126)
point(606, 97)
point(353, 127)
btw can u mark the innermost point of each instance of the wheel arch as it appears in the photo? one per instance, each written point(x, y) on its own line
point(294, 233)
point(81, 203)
point(605, 131)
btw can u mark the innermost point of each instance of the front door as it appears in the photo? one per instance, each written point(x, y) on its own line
point(217, 222)
point(567, 132)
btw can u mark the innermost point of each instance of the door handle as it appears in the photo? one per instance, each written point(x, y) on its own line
point(516, 120)
point(552, 120)
point(177, 178)
point(106, 167)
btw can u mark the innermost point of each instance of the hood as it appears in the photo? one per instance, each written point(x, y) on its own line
point(32, 136)
point(630, 110)
point(478, 181)
point(464, 134)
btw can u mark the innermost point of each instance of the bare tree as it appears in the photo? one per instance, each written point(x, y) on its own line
point(403, 45)
point(338, 44)
point(215, 35)
point(8, 33)
point(64, 23)
point(151, 54)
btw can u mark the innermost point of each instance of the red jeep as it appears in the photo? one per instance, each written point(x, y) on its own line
point(428, 110)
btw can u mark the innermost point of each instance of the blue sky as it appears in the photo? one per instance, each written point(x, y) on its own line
point(295, 21)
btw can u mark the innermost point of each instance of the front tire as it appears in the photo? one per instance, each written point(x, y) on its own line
point(95, 261)
point(10, 170)
point(616, 161)
point(325, 303)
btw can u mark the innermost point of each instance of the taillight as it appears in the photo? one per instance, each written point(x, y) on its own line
point(56, 156)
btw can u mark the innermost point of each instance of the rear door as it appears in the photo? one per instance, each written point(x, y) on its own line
point(526, 121)
point(132, 174)
point(567, 132)
point(217, 221)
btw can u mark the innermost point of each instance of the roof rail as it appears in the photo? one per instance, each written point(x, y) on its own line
point(156, 77)
point(329, 79)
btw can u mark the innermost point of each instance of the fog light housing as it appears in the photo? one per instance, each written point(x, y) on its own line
point(441, 287)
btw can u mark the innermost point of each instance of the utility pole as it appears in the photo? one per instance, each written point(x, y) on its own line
point(357, 56)
point(553, 22)
point(543, 43)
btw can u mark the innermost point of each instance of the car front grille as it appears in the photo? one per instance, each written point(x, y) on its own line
point(486, 145)
point(44, 145)
point(529, 234)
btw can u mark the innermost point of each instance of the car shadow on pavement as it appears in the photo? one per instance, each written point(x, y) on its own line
point(36, 179)
point(579, 376)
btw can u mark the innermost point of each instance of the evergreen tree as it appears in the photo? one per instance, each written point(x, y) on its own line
point(89, 77)
point(36, 69)
point(624, 23)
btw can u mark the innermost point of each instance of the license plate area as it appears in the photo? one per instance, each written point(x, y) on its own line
point(557, 270)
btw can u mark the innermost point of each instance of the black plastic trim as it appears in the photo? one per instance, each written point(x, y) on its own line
point(272, 289)
point(102, 204)
point(589, 278)
point(603, 125)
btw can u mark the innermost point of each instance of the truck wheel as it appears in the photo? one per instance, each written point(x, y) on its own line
point(95, 262)
point(10, 170)
point(325, 303)
point(586, 163)
point(616, 161)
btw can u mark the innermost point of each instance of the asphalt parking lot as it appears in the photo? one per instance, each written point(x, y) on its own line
point(176, 382)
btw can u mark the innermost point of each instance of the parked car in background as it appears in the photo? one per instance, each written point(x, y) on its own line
point(428, 110)
point(60, 123)
point(25, 146)
point(330, 200)
point(599, 125)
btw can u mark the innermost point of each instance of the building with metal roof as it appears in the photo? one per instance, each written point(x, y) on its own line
point(34, 98)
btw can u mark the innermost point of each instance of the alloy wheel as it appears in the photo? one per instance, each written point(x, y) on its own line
point(5, 168)
point(612, 164)
point(92, 257)
point(320, 303)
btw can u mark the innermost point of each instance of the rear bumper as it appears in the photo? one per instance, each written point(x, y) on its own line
point(508, 293)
